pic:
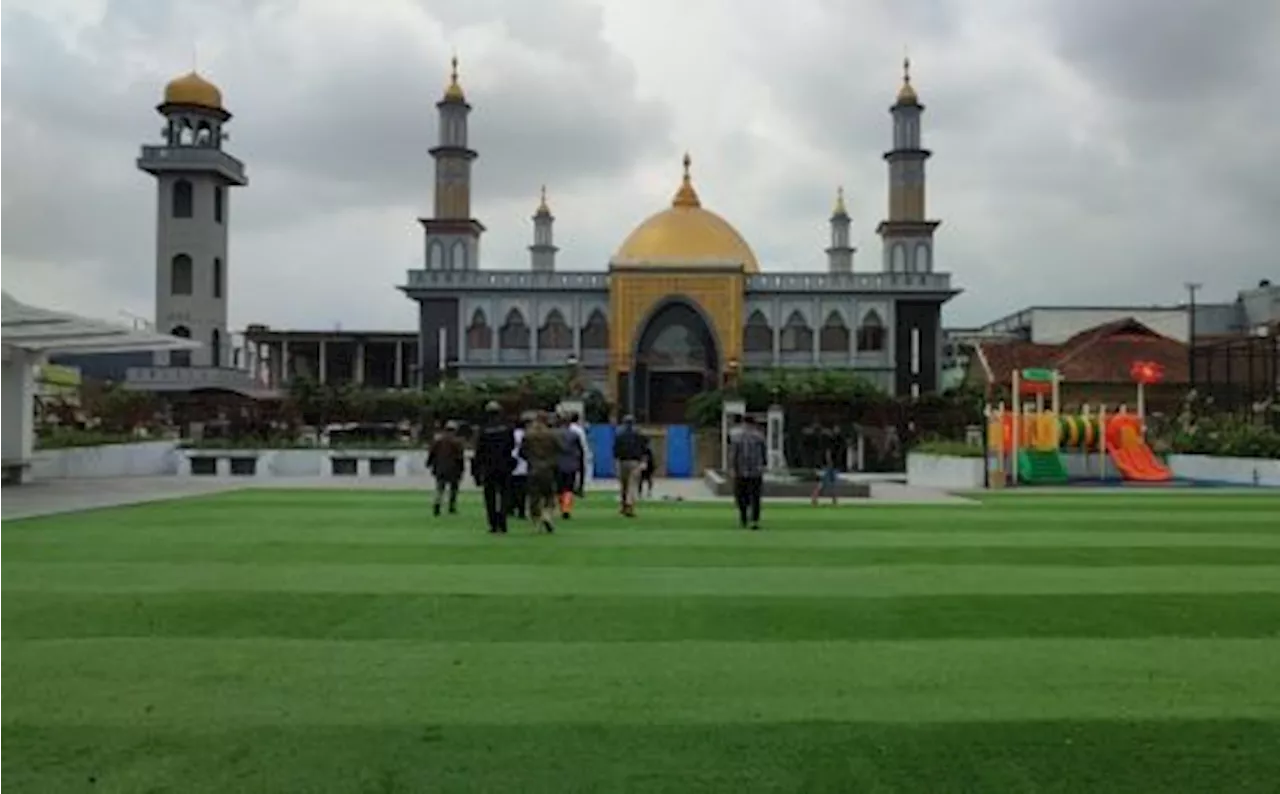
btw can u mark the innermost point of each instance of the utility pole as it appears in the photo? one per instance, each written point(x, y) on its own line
point(1192, 288)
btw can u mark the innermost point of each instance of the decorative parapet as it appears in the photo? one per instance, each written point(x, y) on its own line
point(525, 280)
point(190, 378)
point(161, 159)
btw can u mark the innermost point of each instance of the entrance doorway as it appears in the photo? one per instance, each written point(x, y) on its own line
point(675, 360)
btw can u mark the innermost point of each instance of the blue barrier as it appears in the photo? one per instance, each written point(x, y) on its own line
point(600, 437)
point(679, 451)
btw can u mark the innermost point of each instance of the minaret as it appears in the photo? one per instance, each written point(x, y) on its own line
point(542, 254)
point(192, 219)
point(452, 236)
point(840, 254)
point(907, 234)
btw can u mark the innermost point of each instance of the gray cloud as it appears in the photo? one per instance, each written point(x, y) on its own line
point(1085, 151)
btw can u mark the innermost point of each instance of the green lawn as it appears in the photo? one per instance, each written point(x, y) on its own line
point(324, 641)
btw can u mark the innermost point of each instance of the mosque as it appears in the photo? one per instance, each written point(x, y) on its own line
point(683, 306)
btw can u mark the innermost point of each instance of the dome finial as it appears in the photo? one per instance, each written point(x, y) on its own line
point(686, 196)
point(907, 93)
point(840, 210)
point(454, 90)
point(543, 209)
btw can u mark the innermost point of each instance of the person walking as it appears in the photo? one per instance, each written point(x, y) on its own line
point(493, 464)
point(569, 464)
point(518, 499)
point(827, 477)
point(575, 424)
point(647, 466)
point(748, 456)
point(447, 461)
point(541, 448)
point(629, 448)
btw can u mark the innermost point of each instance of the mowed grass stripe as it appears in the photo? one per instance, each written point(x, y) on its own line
point(267, 515)
point(1099, 757)
point(450, 618)
point(229, 683)
point(543, 553)
point(872, 581)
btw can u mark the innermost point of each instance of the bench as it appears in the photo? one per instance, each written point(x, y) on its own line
point(15, 471)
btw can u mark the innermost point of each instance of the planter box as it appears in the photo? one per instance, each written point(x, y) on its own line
point(319, 462)
point(225, 462)
point(1226, 471)
point(143, 459)
point(945, 472)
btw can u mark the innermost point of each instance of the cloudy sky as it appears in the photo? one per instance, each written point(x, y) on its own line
point(1085, 151)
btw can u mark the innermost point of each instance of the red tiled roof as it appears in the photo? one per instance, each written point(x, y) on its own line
point(1102, 354)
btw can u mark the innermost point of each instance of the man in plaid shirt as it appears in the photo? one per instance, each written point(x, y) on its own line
point(748, 457)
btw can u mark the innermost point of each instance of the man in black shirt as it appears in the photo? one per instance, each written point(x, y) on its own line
point(492, 465)
point(629, 447)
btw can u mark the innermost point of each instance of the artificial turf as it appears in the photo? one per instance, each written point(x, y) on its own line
point(346, 641)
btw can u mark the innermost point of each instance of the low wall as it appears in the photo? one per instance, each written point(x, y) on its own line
point(143, 459)
point(320, 462)
point(1226, 471)
point(944, 471)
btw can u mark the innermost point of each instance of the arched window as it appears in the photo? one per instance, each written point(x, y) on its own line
point(219, 195)
point(204, 135)
point(180, 358)
point(183, 199)
point(834, 336)
point(217, 277)
point(899, 263)
point(215, 348)
point(435, 255)
point(757, 336)
point(458, 256)
point(923, 265)
point(871, 333)
point(181, 275)
point(595, 334)
point(514, 333)
point(797, 337)
point(555, 333)
point(479, 334)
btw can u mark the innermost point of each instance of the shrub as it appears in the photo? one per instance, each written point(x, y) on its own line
point(953, 449)
point(67, 437)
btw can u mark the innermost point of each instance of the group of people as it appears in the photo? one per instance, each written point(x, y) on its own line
point(535, 469)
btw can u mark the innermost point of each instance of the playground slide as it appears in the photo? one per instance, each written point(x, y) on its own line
point(1041, 467)
point(1137, 462)
point(1130, 453)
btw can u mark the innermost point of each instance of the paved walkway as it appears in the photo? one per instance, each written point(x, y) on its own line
point(50, 497)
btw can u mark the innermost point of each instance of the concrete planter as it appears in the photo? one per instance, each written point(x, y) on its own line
point(225, 462)
point(1226, 471)
point(143, 459)
point(944, 471)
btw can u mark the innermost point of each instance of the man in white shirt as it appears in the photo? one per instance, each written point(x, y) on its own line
point(575, 427)
point(519, 497)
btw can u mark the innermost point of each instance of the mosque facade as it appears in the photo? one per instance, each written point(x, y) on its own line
point(683, 305)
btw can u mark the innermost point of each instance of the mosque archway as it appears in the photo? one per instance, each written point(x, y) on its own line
point(676, 358)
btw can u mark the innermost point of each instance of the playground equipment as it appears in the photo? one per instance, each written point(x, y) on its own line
point(1024, 444)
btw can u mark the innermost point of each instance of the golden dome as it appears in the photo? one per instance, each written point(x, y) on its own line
point(686, 235)
point(192, 89)
point(907, 94)
point(453, 92)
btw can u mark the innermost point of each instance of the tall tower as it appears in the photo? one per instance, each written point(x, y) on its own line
point(542, 254)
point(193, 215)
point(840, 254)
point(907, 235)
point(452, 236)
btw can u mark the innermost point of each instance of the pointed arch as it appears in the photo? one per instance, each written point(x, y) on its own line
point(183, 199)
point(555, 333)
point(757, 334)
point(479, 334)
point(923, 263)
point(181, 275)
point(797, 336)
point(595, 334)
point(435, 255)
point(834, 336)
point(871, 333)
point(514, 333)
point(458, 256)
point(899, 262)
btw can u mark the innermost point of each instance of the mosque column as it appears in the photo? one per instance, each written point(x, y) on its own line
point(399, 363)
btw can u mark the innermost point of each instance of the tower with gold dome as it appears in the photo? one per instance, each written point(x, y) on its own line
point(684, 304)
point(193, 175)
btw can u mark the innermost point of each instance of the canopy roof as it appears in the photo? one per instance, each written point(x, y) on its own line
point(39, 330)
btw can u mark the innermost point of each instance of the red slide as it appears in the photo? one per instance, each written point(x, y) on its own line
point(1133, 458)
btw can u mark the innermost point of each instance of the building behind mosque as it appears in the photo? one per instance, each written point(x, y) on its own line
point(683, 306)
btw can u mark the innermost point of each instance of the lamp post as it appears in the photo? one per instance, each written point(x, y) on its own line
point(1192, 288)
